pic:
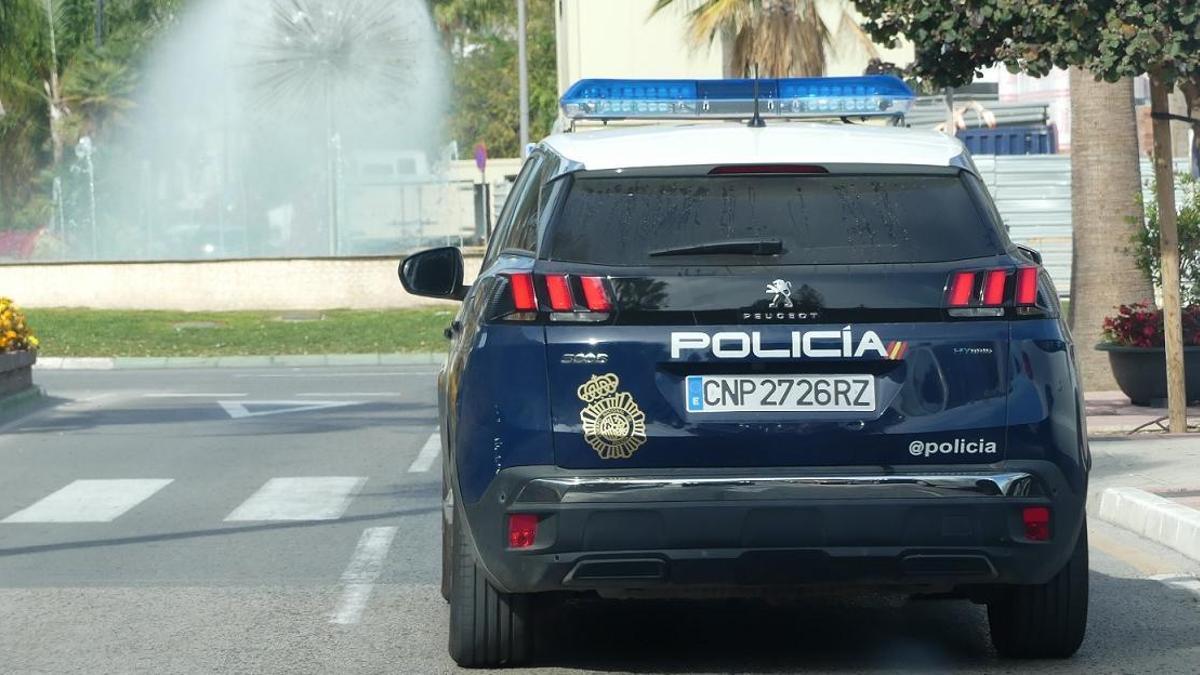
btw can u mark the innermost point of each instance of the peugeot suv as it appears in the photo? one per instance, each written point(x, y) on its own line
point(756, 360)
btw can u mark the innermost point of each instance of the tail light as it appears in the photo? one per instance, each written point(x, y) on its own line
point(523, 297)
point(982, 293)
point(558, 287)
point(522, 530)
point(1037, 523)
point(595, 294)
point(1027, 286)
point(557, 297)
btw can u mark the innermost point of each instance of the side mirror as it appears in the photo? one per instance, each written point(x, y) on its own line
point(1033, 254)
point(436, 273)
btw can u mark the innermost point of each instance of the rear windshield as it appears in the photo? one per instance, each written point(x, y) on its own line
point(820, 219)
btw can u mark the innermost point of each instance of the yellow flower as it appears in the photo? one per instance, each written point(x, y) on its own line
point(15, 333)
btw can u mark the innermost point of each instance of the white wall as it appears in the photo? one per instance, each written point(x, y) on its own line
point(618, 38)
point(851, 49)
point(358, 283)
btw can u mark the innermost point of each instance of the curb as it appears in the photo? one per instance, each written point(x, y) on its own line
point(278, 361)
point(1155, 518)
point(20, 399)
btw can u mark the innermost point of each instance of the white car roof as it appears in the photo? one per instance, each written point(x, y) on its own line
point(777, 143)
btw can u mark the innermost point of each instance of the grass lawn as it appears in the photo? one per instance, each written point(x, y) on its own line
point(86, 332)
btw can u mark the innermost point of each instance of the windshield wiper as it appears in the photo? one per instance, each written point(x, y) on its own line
point(727, 247)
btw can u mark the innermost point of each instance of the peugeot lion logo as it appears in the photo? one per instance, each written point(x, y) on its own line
point(781, 293)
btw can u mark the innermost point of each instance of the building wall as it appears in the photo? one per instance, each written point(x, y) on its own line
point(619, 38)
point(354, 283)
point(851, 49)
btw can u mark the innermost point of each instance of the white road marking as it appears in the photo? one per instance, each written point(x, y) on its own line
point(194, 395)
point(345, 375)
point(360, 575)
point(309, 498)
point(356, 394)
point(1183, 581)
point(428, 454)
point(89, 501)
point(241, 409)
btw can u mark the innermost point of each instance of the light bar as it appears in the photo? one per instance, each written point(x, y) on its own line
point(788, 97)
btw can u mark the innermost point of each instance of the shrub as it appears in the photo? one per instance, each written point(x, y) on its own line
point(15, 334)
point(1141, 325)
point(1146, 240)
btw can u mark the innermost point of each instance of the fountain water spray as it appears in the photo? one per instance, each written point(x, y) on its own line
point(251, 119)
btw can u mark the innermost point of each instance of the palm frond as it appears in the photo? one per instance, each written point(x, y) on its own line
point(781, 37)
point(708, 18)
point(785, 38)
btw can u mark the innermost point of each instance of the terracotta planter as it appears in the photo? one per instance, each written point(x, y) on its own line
point(1141, 372)
point(16, 371)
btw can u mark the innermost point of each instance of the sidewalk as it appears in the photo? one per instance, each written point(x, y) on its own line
point(1110, 413)
point(1144, 479)
point(1149, 484)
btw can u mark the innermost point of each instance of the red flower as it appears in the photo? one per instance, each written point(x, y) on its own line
point(1141, 325)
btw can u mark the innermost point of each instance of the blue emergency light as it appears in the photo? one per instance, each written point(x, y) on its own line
point(785, 97)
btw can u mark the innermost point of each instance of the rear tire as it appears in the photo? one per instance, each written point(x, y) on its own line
point(488, 628)
point(1041, 621)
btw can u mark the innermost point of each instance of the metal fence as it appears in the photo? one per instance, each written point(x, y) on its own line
point(1033, 195)
point(391, 215)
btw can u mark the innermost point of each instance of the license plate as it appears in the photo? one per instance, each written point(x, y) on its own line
point(780, 393)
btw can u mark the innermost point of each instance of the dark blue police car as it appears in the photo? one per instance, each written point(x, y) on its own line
point(748, 359)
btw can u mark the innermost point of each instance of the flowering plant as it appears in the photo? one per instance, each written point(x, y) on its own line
point(1141, 325)
point(15, 334)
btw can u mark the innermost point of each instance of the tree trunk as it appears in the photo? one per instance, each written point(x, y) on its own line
point(54, 111)
point(1105, 183)
point(1164, 177)
point(729, 65)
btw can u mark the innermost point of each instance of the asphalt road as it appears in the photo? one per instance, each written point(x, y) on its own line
point(283, 520)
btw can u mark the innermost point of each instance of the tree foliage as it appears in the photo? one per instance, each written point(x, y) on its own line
point(97, 86)
point(481, 36)
point(1147, 240)
point(1110, 38)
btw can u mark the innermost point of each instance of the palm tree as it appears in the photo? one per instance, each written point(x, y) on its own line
point(780, 37)
point(99, 91)
point(1105, 215)
point(23, 128)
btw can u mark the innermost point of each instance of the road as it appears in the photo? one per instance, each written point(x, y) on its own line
point(287, 521)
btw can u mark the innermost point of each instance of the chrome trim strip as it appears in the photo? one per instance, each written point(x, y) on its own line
point(580, 489)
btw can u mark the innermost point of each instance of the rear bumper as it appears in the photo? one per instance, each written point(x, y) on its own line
point(937, 527)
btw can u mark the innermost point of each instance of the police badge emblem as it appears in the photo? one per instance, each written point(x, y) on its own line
point(613, 424)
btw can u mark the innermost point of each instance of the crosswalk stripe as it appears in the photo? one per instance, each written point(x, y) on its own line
point(89, 501)
point(359, 577)
point(428, 454)
point(307, 498)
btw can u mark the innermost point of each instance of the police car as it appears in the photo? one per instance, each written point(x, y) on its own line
point(755, 358)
